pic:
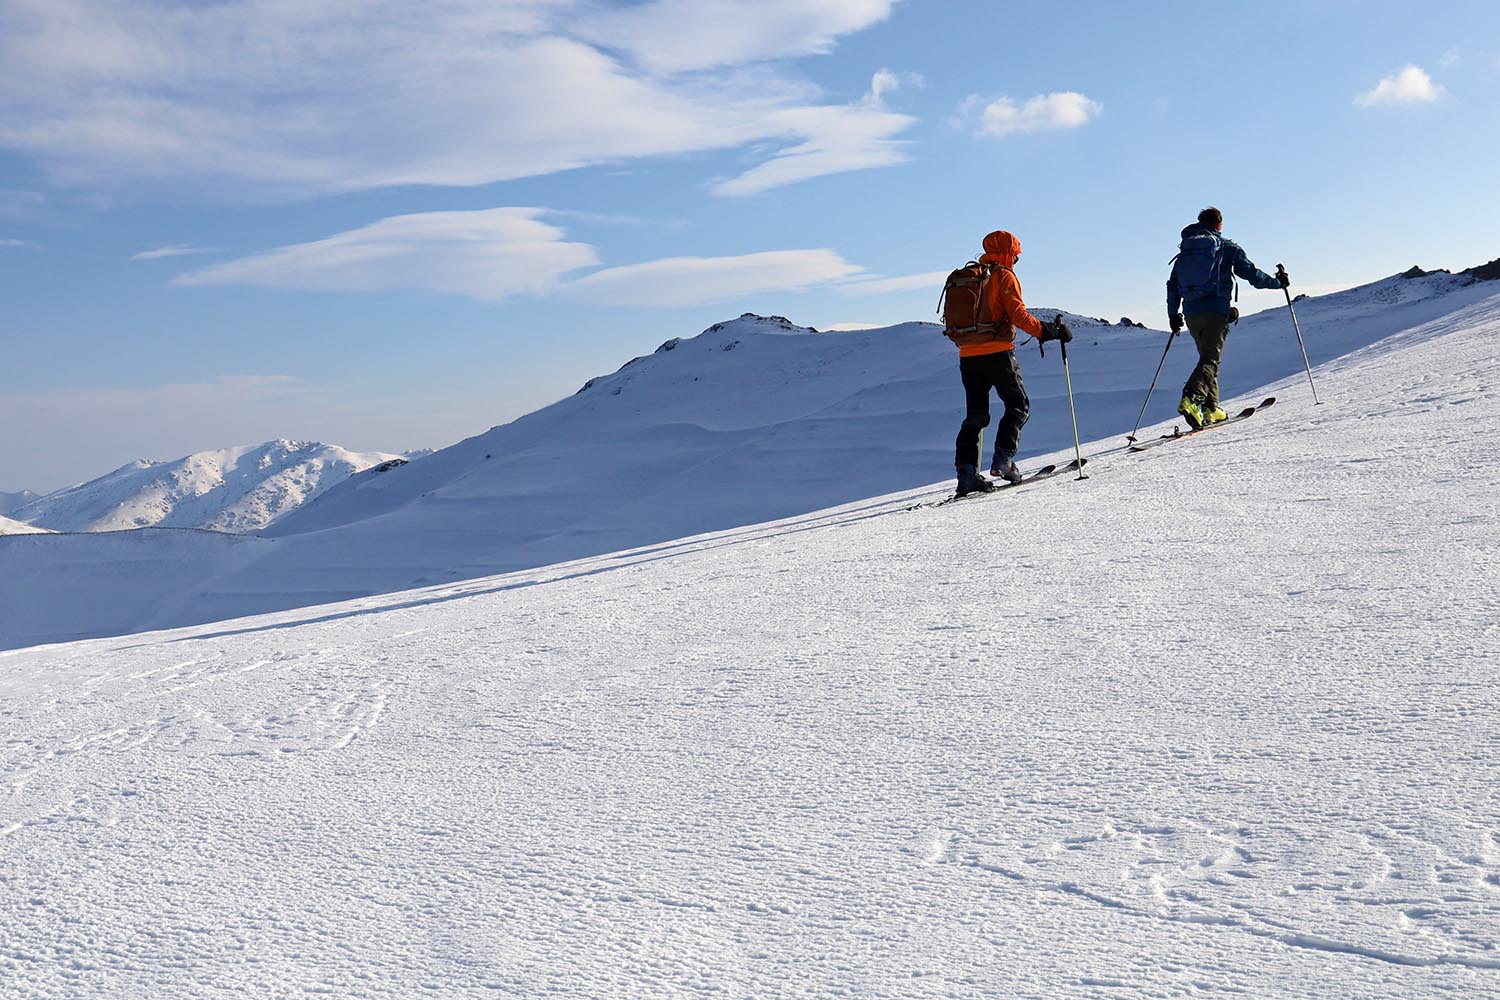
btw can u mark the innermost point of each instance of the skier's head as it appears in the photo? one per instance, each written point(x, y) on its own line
point(1212, 218)
point(1002, 247)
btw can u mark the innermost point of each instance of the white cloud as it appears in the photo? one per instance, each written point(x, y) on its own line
point(488, 254)
point(1451, 58)
point(1003, 116)
point(905, 283)
point(673, 36)
point(687, 281)
point(173, 251)
point(836, 140)
point(266, 98)
point(1411, 85)
point(14, 244)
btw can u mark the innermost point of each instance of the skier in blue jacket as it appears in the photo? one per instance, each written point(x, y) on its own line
point(1198, 295)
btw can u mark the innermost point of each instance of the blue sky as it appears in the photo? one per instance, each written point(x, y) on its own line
point(390, 225)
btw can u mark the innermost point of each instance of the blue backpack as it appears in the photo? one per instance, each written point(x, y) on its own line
point(1197, 266)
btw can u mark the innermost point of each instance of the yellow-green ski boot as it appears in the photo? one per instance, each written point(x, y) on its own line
point(1191, 412)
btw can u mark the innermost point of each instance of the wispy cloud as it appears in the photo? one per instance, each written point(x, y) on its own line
point(489, 254)
point(278, 98)
point(1409, 85)
point(905, 283)
point(687, 281)
point(174, 251)
point(835, 140)
point(674, 36)
point(1003, 116)
point(12, 244)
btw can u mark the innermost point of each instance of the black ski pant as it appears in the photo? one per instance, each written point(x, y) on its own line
point(1209, 331)
point(998, 371)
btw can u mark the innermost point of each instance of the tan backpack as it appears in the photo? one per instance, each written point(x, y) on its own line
point(962, 305)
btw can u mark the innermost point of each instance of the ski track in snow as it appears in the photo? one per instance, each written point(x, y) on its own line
point(1219, 721)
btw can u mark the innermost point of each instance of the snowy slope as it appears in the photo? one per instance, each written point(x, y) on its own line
point(10, 527)
point(1218, 722)
point(754, 419)
point(10, 502)
point(235, 489)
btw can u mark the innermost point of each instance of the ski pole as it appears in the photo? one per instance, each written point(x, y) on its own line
point(1142, 415)
point(1287, 291)
point(1068, 381)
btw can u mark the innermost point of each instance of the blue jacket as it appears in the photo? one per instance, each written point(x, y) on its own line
point(1234, 262)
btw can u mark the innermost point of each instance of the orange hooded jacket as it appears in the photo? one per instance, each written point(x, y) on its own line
point(1002, 297)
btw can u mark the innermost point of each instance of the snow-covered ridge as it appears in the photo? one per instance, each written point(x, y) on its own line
point(11, 502)
point(753, 420)
point(233, 489)
point(10, 527)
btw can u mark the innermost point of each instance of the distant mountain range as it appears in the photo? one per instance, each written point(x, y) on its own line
point(10, 502)
point(232, 490)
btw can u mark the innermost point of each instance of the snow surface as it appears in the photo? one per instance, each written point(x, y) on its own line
point(1219, 721)
point(10, 527)
point(11, 502)
point(755, 419)
point(234, 489)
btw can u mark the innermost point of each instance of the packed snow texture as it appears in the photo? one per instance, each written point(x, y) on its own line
point(1218, 721)
point(236, 489)
point(755, 419)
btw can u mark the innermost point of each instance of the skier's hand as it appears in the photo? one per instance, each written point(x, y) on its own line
point(1234, 314)
point(1176, 320)
point(1283, 277)
point(1056, 329)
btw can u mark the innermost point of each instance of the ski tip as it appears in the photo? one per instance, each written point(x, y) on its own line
point(1268, 401)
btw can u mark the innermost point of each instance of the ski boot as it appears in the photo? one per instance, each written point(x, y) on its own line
point(970, 481)
point(1192, 412)
point(1004, 468)
point(1212, 414)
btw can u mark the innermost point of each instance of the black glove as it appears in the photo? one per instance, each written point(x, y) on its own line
point(1176, 320)
point(1234, 314)
point(1056, 329)
point(1284, 278)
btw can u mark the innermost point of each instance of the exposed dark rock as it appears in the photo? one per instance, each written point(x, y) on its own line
point(1485, 272)
point(1417, 272)
point(669, 345)
point(394, 463)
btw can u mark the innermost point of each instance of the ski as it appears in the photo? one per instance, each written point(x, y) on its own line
point(1045, 472)
point(1178, 435)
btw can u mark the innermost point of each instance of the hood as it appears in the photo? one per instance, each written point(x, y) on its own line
point(1001, 247)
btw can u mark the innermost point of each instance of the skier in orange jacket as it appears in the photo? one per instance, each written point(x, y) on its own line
point(991, 364)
